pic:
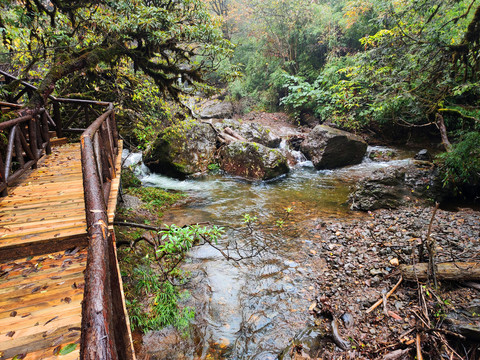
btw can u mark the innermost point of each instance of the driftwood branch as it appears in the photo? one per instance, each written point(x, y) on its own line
point(397, 354)
point(374, 306)
point(443, 131)
point(227, 136)
point(150, 227)
point(418, 343)
point(141, 226)
point(341, 343)
point(431, 247)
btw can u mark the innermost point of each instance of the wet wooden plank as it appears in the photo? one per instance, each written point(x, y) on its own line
point(41, 293)
point(40, 305)
point(44, 204)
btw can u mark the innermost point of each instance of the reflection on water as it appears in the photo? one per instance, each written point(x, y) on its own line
point(254, 308)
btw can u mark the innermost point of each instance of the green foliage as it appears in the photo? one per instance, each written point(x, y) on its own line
point(129, 179)
point(155, 198)
point(171, 42)
point(162, 307)
point(213, 167)
point(67, 349)
point(462, 164)
point(153, 302)
point(297, 39)
point(415, 66)
point(249, 219)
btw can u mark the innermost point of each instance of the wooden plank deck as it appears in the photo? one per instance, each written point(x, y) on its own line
point(40, 305)
point(45, 210)
point(43, 241)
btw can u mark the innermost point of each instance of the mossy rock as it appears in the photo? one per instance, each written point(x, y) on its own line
point(260, 134)
point(182, 149)
point(252, 161)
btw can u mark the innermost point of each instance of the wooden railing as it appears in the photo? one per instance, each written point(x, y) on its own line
point(105, 333)
point(24, 140)
point(104, 330)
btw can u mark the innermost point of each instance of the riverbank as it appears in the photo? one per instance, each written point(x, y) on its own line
point(341, 266)
point(361, 260)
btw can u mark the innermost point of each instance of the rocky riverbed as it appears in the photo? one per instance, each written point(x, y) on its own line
point(326, 264)
point(362, 257)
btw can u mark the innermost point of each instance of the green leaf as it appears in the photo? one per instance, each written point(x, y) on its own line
point(67, 349)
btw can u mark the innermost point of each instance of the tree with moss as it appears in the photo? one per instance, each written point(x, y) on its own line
point(172, 42)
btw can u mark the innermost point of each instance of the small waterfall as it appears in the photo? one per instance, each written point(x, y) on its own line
point(295, 157)
point(134, 160)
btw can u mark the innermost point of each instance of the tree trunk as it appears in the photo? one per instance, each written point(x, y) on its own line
point(443, 131)
point(460, 271)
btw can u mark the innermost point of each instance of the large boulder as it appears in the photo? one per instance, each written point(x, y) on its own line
point(330, 148)
point(183, 149)
point(390, 188)
point(252, 161)
point(260, 134)
point(216, 110)
point(252, 132)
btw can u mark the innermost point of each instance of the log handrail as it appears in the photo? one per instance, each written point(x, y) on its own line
point(105, 333)
point(97, 341)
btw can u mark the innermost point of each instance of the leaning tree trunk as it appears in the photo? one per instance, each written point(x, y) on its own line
point(59, 70)
point(443, 131)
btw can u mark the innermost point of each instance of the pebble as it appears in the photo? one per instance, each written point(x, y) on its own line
point(394, 262)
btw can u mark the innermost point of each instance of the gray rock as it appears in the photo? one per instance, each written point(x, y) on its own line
point(423, 155)
point(381, 154)
point(216, 110)
point(260, 134)
point(379, 191)
point(182, 149)
point(330, 148)
point(252, 161)
point(391, 188)
point(230, 123)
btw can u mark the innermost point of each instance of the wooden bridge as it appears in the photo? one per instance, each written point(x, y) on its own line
point(61, 294)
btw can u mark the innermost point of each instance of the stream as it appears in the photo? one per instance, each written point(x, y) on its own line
point(254, 308)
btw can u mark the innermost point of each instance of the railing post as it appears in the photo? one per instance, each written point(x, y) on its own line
point(3, 181)
point(8, 158)
point(113, 125)
point(38, 131)
point(32, 134)
point(46, 133)
point(57, 118)
point(18, 146)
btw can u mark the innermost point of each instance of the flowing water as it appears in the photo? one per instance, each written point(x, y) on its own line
point(254, 308)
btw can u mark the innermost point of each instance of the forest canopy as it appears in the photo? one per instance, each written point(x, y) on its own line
point(386, 66)
point(376, 65)
point(166, 40)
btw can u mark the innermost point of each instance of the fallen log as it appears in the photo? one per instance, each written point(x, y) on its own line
point(460, 271)
point(226, 139)
point(234, 134)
